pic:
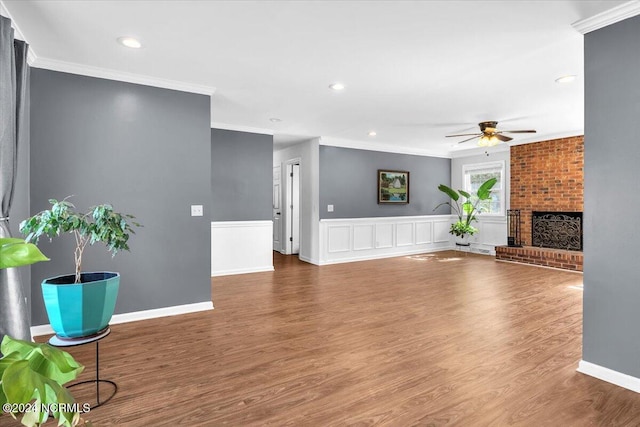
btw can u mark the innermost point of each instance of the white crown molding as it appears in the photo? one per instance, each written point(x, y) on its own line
point(17, 33)
point(5, 12)
point(550, 137)
point(360, 145)
point(475, 151)
point(608, 17)
point(505, 147)
point(121, 76)
point(241, 128)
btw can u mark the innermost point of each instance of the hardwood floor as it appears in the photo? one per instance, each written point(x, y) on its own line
point(432, 340)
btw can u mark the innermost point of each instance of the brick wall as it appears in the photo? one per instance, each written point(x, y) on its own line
point(547, 176)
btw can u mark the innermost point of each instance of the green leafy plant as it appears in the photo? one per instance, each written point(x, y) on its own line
point(100, 224)
point(466, 206)
point(32, 378)
point(16, 252)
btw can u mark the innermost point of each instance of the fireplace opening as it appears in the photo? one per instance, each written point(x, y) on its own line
point(558, 230)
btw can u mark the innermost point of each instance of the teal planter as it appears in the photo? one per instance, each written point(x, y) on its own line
point(80, 309)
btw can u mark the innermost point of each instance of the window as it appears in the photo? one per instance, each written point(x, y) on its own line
point(475, 175)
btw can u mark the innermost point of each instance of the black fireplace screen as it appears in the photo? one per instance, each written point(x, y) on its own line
point(560, 230)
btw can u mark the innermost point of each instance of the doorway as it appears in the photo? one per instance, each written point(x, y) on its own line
point(292, 240)
point(277, 209)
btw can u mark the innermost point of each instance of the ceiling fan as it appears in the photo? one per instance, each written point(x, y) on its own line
point(489, 135)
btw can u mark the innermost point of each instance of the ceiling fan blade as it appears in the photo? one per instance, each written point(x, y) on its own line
point(503, 138)
point(469, 139)
point(518, 131)
point(463, 134)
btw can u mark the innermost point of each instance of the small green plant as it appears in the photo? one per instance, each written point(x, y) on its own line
point(99, 224)
point(467, 208)
point(16, 253)
point(32, 378)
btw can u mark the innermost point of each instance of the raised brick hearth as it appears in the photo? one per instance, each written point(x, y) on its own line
point(558, 258)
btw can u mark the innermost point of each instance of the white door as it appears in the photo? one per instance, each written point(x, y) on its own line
point(277, 212)
point(295, 209)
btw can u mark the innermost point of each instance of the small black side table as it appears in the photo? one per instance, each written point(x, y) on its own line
point(57, 341)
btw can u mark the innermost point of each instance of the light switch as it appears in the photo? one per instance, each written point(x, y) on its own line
point(197, 210)
point(329, 208)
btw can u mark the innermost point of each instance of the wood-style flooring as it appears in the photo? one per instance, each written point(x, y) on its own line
point(432, 340)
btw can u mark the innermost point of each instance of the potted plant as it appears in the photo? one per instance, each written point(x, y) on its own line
point(81, 304)
point(466, 206)
point(32, 379)
point(32, 376)
point(16, 252)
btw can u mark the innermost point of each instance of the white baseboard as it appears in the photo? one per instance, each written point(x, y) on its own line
point(384, 255)
point(309, 260)
point(241, 271)
point(609, 375)
point(139, 315)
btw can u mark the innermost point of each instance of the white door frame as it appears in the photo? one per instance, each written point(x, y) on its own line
point(286, 211)
point(277, 208)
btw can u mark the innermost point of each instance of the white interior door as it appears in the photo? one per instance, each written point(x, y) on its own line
point(295, 209)
point(277, 209)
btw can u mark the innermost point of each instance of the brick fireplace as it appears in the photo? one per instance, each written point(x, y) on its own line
point(546, 176)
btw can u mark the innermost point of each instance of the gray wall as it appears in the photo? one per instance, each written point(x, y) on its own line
point(612, 155)
point(145, 150)
point(348, 180)
point(241, 175)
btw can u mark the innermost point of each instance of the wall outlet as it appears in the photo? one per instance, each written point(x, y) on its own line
point(329, 208)
point(197, 210)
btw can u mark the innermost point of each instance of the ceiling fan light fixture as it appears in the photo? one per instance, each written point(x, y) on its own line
point(130, 42)
point(566, 79)
point(488, 141)
point(337, 86)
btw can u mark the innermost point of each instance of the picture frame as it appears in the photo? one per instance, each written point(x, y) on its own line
point(393, 187)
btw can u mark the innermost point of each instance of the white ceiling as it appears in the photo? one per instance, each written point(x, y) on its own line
point(415, 71)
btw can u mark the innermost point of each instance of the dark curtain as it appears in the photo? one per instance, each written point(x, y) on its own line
point(14, 110)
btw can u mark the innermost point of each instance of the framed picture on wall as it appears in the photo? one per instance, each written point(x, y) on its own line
point(393, 187)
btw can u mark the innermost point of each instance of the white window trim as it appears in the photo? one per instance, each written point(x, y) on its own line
point(489, 165)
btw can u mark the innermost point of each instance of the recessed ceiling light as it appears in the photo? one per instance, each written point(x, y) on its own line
point(130, 42)
point(275, 120)
point(372, 133)
point(566, 79)
point(337, 86)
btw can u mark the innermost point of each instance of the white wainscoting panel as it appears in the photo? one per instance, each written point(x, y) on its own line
point(424, 232)
point(339, 239)
point(404, 234)
point(441, 230)
point(492, 232)
point(363, 236)
point(356, 239)
point(239, 247)
point(384, 236)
